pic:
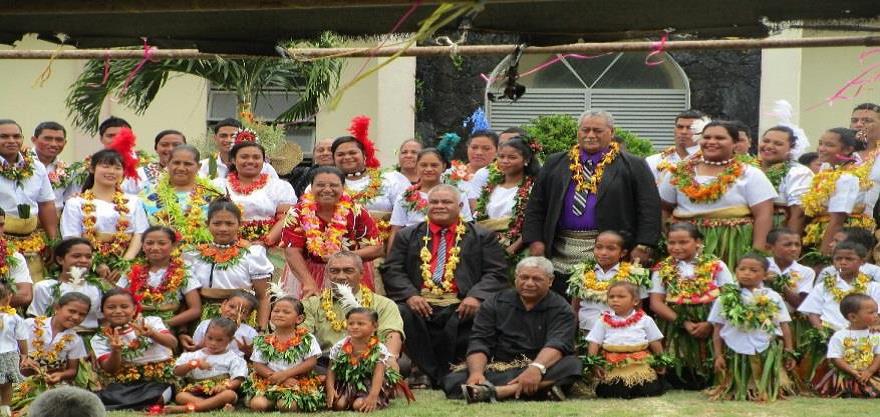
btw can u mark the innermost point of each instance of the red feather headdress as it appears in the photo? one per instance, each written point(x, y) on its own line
point(124, 143)
point(359, 127)
point(246, 135)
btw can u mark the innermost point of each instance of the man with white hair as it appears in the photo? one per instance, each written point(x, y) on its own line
point(67, 402)
point(522, 344)
point(439, 271)
point(595, 186)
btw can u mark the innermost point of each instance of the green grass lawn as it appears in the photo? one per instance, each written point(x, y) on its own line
point(675, 403)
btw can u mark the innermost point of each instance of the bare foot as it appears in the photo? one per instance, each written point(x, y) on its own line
point(228, 407)
point(174, 409)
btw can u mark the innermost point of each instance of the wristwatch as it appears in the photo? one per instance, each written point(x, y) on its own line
point(540, 367)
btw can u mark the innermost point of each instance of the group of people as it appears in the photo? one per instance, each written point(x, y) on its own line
point(181, 283)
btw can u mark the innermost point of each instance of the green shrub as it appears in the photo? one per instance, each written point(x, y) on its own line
point(558, 132)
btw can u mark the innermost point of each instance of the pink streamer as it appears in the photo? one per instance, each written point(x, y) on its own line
point(396, 26)
point(868, 76)
point(106, 68)
point(657, 48)
point(548, 63)
point(148, 56)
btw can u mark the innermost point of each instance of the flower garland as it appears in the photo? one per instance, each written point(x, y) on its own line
point(61, 176)
point(514, 226)
point(153, 171)
point(758, 314)
point(14, 172)
point(173, 280)
point(154, 371)
point(223, 256)
point(782, 282)
point(373, 188)
point(664, 164)
point(324, 242)
point(578, 175)
point(7, 261)
point(235, 183)
point(39, 353)
point(256, 230)
point(582, 282)
point(858, 352)
point(327, 305)
point(823, 185)
point(777, 172)
point(452, 259)
point(356, 369)
point(291, 351)
point(131, 350)
point(107, 252)
point(192, 224)
point(619, 324)
point(859, 286)
point(684, 178)
point(413, 200)
point(458, 172)
point(700, 289)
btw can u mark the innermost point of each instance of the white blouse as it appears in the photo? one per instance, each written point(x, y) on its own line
point(641, 332)
point(154, 353)
point(222, 169)
point(654, 160)
point(75, 349)
point(253, 265)
point(391, 188)
point(280, 365)
point(793, 187)
point(870, 270)
point(501, 202)
point(820, 301)
point(749, 342)
point(402, 217)
point(227, 363)
point(263, 203)
point(154, 280)
point(589, 311)
point(846, 195)
point(245, 334)
point(43, 299)
point(12, 329)
point(105, 216)
point(835, 344)
point(807, 274)
point(751, 188)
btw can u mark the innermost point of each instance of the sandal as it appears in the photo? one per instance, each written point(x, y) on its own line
point(479, 393)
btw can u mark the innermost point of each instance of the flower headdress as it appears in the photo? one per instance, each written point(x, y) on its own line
point(447, 145)
point(697, 127)
point(784, 112)
point(359, 128)
point(246, 135)
point(123, 143)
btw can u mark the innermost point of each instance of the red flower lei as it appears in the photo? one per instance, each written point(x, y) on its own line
point(235, 183)
point(412, 199)
point(618, 324)
point(353, 359)
point(172, 281)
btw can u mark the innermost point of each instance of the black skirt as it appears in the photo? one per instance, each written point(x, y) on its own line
point(618, 389)
point(132, 395)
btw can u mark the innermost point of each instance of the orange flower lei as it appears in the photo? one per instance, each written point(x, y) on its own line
point(118, 245)
point(683, 178)
point(374, 187)
point(222, 256)
point(39, 353)
point(353, 359)
point(174, 278)
point(323, 243)
point(664, 165)
point(590, 184)
point(235, 183)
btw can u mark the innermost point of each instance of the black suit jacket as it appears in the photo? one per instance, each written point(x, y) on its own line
point(627, 200)
point(481, 272)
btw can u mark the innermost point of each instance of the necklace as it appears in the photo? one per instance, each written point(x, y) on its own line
point(117, 246)
point(700, 289)
point(324, 242)
point(172, 280)
point(356, 174)
point(192, 224)
point(446, 284)
point(413, 200)
point(859, 286)
point(223, 256)
point(684, 178)
point(337, 324)
point(235, 183)
point(777, 172)
point(373, 188)
point(715, 163)
point(14, 172)
point(290, 351)
point(48, 358)
point(610, 321)
point(823, 185)
point(582, 179)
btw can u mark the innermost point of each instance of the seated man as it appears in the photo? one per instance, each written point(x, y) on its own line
point(522, 343)
point(438, 272)
point(325, 314)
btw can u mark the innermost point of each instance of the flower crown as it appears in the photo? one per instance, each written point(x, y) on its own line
point(246, 135)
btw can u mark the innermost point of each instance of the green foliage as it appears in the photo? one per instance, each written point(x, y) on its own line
point(558, 132)
point(315, 81)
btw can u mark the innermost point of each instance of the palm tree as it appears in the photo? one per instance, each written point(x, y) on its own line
point(314, 81)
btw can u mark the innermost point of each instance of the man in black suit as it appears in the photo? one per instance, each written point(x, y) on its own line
point(604, 188)
point(438, 272)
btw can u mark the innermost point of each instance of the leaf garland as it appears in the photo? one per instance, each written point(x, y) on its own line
point(192, 224)
point(583, 284)
point(760, 313)
point(777, 172)
point(290, 351)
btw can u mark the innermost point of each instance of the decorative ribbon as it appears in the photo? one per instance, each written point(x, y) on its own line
point(657, 48)
point(148, 56)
